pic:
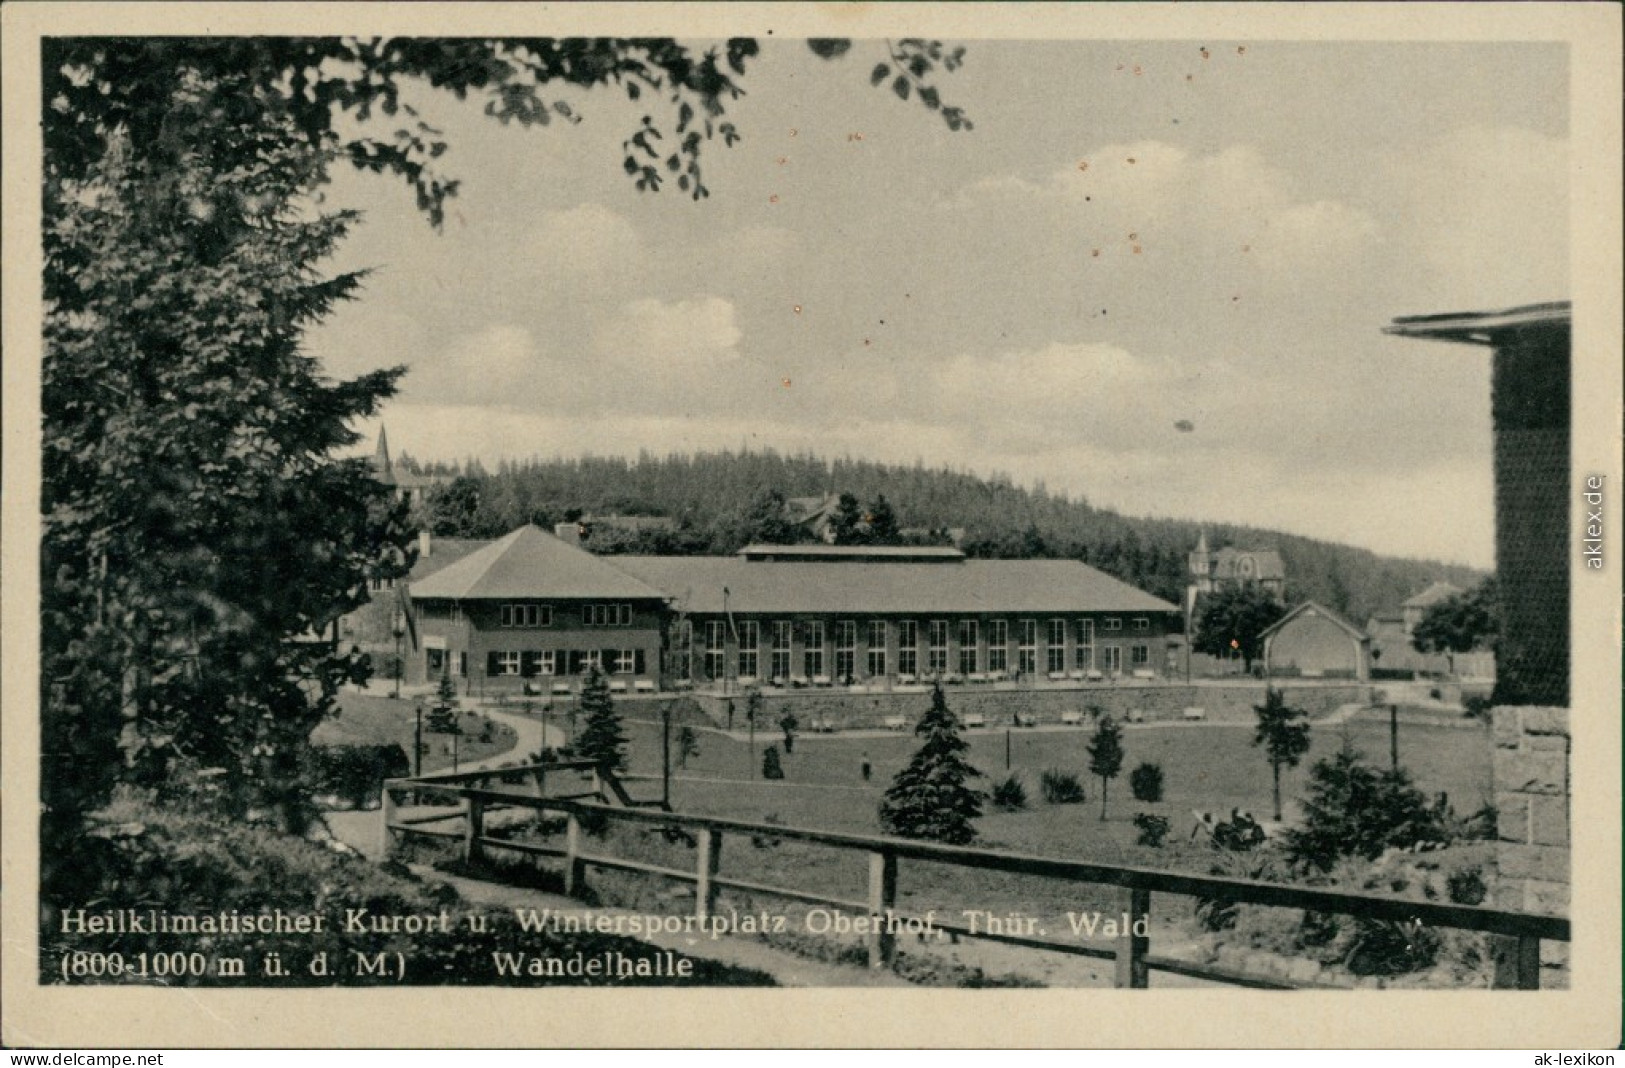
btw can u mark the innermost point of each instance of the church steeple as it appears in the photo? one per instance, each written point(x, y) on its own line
point(1201, 563)
point(380, 456)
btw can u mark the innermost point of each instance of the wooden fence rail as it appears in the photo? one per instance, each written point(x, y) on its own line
point(1518, 935)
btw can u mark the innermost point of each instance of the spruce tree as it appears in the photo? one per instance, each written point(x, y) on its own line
point(1106, 755)
point(930, 798)
point(1283, 731)
point(601, 739)
point(199, 522)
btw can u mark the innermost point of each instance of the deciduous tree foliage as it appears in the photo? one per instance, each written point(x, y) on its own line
point(1461, 623)
point(931, 797)
point(1239, 614)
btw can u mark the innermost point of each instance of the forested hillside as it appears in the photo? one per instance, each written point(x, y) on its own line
point(720, 501)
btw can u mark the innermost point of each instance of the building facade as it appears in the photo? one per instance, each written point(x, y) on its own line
point(1212, 570)
point(1312, 641)
point(528, 608)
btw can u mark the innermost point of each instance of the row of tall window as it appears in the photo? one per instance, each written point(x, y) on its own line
point(532, 663)
point(839, 644)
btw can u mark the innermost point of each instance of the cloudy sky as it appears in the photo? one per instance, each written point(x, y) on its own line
point(1134, 236)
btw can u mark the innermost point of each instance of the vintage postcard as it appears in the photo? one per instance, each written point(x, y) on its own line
point(827, 526)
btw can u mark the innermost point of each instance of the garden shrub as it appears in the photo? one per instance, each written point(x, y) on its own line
point(1145, 782)
point(1239, 834)
point(1220, 913)
point(356, 773)
point(1466, 886)
point(1061, 788)
point(1009, 793)
point(1399, 953)
point(1319, 928)
point(1387, 947)
point(771, 768)
point(1153, 829)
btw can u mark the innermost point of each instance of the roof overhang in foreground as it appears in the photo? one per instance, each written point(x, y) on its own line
point(1484, 328)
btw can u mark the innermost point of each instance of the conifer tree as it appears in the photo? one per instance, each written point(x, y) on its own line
point(199, 523)
point(602, 740)
point(1106, 755)
point(1284, 733)
point(931, 798)
point(443, 716)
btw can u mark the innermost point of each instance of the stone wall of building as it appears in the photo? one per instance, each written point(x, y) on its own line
point(1531, 784)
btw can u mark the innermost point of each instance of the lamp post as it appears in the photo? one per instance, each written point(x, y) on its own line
point(417, 743)
point(665, 753)
point(400, 668)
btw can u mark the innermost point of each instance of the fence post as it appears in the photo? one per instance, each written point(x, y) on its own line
point(882, 899)
point(705, 883)
point(1517, 963)
point(575, 872)
point(1131, 947)
point(386, 812)
point(473, 827)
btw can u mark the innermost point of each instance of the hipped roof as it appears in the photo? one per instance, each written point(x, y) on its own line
point(531, 564)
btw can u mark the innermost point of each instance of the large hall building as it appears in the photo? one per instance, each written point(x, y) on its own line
point(532, 610)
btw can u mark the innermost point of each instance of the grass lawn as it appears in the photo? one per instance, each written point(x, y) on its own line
point(1210, 767)
point(367, 720)
point(1207, 767)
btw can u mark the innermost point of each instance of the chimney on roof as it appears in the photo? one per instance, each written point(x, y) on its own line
point(425, 547)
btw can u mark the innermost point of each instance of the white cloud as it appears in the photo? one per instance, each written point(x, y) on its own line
point(586, 240)
point(680, 336)
point(501, 364)
point(1184, 208)
point(1067, 385)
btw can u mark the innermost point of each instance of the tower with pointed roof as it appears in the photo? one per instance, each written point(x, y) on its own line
point(380, 455)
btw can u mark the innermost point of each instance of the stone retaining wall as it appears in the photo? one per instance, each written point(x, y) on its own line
point(1531, 784)
point(998, 707)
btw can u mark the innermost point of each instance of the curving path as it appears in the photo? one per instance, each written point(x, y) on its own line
point(527, 734)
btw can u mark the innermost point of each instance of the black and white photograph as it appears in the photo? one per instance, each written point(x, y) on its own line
point(885, 502)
